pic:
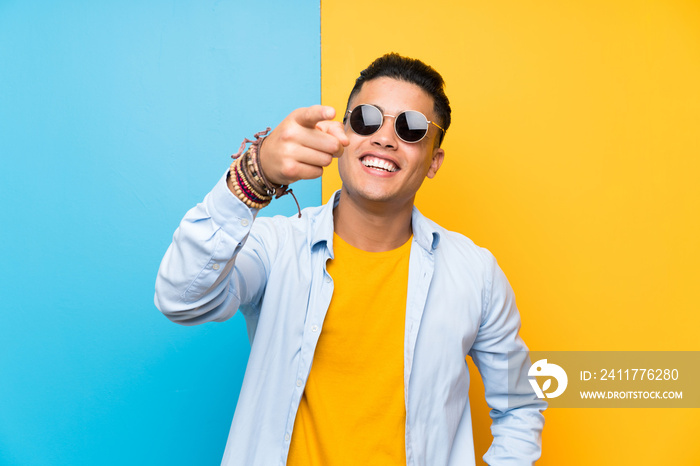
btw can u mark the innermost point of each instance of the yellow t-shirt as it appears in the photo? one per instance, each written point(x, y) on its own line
point(352, 410)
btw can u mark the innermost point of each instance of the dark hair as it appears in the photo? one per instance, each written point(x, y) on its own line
point(411, 70)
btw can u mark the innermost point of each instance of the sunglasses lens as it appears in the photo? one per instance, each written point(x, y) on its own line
point(366, 120)
point(411, 126)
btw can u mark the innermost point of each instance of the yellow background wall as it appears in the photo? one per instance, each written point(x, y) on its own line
point(574, 156)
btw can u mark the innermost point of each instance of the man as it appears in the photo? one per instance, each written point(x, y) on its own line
point(361, 312)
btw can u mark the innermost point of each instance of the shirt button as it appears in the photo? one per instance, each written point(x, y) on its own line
point(244, 222)
point(314, 328)
point(328, 279)
point(286, 437)
point(215, 266)
point(300, 382)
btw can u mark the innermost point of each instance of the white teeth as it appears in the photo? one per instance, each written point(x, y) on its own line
point(382, 164)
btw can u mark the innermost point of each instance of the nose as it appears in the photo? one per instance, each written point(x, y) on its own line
point(385, 137)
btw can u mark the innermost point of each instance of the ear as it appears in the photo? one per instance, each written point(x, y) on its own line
point(438, 157)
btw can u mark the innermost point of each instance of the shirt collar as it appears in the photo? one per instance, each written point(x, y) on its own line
point(322, 224)
point(425, 232)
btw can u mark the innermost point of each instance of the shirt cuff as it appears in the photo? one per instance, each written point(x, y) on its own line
point(229, 212)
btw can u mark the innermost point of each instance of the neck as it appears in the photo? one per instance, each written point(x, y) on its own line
point(372, 226)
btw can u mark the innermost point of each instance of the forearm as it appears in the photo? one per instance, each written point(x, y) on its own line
point(503, 361)
point(196, 281)
point(516, 414)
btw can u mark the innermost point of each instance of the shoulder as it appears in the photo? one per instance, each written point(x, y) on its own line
point(457, 249)
point(279, 231)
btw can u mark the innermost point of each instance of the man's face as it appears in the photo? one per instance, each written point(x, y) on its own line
point(408, 164)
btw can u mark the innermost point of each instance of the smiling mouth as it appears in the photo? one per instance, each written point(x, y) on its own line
point(377, 163)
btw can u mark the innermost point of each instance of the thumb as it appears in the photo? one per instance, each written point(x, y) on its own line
point(335, 129)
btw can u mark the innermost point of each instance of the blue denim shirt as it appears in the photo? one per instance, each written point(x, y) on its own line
point(459, 304)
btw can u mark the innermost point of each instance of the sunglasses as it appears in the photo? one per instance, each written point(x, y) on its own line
point(410, 126)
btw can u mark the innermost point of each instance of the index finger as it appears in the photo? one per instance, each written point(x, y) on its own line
point(309, 116)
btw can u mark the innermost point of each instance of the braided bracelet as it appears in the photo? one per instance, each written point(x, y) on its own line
point(249, 180)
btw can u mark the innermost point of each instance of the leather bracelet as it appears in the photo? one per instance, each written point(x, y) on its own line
point(255, 159)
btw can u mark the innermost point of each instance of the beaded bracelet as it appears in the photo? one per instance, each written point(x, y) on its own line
point(239, 189)
point(247, 188)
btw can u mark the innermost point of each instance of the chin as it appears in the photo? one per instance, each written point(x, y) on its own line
point(374, 194)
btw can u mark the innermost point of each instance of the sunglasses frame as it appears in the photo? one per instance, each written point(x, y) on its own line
point(395, 117)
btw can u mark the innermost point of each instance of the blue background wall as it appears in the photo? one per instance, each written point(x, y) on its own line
point(115, 118)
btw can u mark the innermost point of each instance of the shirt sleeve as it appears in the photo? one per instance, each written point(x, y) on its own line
point(206, 274)
point(498, 351)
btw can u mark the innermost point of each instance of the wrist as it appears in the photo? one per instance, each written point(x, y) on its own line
point(259, 172)
point(247, 181)
point(241, 185)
